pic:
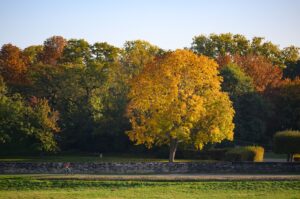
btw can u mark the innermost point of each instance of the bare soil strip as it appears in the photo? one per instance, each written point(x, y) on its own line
point(170, 177)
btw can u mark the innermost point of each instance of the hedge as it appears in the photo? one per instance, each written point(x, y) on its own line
point(247, 153)
point(287, 142)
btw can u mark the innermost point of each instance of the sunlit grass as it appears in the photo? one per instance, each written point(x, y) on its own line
point(31, 187)
point(90, 158)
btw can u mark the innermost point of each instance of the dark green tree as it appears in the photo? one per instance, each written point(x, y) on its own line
point(76, 52)
point(251, 110)
point(229, 44)
point(27, 123)
point(137, 54)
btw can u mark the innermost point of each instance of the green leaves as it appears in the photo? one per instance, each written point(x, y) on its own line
point(20, 121)
point(229, 44)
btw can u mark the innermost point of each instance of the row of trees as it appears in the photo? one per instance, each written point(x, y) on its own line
point(88, 96)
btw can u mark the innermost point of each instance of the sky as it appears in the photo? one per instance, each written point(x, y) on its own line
point(169, 24)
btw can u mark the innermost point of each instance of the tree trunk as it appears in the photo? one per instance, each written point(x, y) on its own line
point(173, 147)
point(290, 157)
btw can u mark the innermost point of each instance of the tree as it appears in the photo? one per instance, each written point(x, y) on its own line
point(32, 123)
point(220, 45)
point(229, 44)
point(137, 54)
point(177, 98)
point(235, 81)
point(291, 54)
point(270, 51)
point(262, 71)
point(13, 64)
point(104, 52)
point(292, 70)
point(286, 101)
point(33, 54)
point(77, 93)
point(76, 52)
point(251, 109)
point(53, 49)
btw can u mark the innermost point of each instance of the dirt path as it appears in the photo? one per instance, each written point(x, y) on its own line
point(171, 177)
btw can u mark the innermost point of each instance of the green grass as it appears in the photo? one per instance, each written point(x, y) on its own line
point(272, 155)
point(90, 158)
point(31, 187)
point(111, 158)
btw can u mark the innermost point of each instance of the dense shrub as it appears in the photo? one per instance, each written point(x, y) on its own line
point(216, 154)
point(248, 153)
point(287, 142)
point(207, 154)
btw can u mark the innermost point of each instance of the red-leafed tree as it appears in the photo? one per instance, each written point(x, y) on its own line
point(53, 49)
point(13, 64)
point(262, 71)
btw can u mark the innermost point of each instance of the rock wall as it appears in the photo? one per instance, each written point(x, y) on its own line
point(152, 167)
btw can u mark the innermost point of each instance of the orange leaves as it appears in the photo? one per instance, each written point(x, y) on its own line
point(13, 64)
point(53, 49)
point(262, 71)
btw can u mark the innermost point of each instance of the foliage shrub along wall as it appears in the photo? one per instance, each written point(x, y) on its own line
point(287, 142)
point(247, 153)
point(82, 92)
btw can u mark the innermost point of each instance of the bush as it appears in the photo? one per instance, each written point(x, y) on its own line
point(216, 154)
point(207, 154)
point(287, 142)
point(248, 153)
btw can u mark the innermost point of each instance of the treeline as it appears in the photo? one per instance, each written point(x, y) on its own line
point(72, 95)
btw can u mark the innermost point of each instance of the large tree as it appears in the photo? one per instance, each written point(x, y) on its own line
point(26, 123)
point(286, 100)
point(76, 52)
point(105, 53)
point(177, 98)
point(226, 44)
point(137, 54)
point(251, 110)
point(33, 54)
point(292, 70)
point(53, 49)
point(264, 74)
point(13, 64)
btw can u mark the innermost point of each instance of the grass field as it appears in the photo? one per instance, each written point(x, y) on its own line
point(91, 158)
point(112, 158)
point(30, 187)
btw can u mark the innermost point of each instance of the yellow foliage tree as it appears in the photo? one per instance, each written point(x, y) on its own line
point(177, 98)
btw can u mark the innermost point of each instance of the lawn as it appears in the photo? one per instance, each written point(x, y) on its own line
point(30, 187)
point(269, 156)
point(92, 158)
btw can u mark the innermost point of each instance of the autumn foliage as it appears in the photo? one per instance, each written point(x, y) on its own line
point(177, 98)
point(159, 97)
point(262, 71)
point(13, 64)
point(53, 49)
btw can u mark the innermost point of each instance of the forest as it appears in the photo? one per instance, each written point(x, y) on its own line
point(70, 95)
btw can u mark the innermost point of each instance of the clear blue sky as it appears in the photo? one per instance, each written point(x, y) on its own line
point(169, 24)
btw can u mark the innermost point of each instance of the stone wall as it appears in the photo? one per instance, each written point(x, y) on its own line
point(152, 167)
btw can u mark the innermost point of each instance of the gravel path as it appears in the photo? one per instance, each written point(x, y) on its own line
point(172, 177)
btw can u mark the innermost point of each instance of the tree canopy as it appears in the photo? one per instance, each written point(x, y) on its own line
point(177, 98)
point(69, 94)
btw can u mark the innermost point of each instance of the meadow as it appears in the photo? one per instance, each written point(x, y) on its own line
point(20, 186)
